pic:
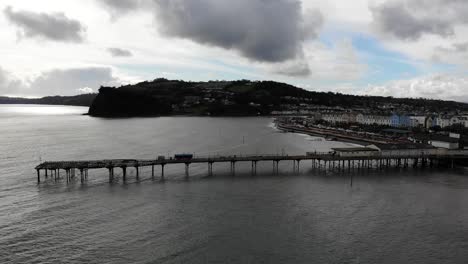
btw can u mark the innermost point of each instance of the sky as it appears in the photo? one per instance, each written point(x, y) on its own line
point(400, 48)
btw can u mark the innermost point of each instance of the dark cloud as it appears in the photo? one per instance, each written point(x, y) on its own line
point(54, 26)
point(261, 30)
point(411, 19)
point(398, 20)
point(117, 52)
point(59, 82)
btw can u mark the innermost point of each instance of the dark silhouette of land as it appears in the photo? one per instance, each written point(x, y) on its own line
point(77, 100)
point(162, 97)
point(242, 98)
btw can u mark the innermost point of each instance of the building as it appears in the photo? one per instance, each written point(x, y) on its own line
point(446, 142)
point(443, 121)
point(403, 150)
point(337, 117)
point(400, 120)
point(430, 122)
point(417, 121)
point(383, 120)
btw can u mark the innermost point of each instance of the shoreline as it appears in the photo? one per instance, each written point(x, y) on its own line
point(324, 134)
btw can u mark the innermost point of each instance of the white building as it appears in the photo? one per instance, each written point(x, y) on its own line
point(339, 117)
point(417, 121)
point(444, 142)
point(459, 120)
point(382, 120)
point(443, 121)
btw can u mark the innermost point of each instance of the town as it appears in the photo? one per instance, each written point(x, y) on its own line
point(447, 131)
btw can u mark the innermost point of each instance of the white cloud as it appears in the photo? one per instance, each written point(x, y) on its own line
point(59, 82)
point(437, 86)
point(85, 90)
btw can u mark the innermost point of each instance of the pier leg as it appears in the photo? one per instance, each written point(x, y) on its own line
point(233, 167)
point(152, 171)
point(124, 173)
point(46, 175)
point(162, 172)
point(210, 168)
point(38, 176)
point(137, 171)
point(187, 169)
point(81, 175)
point(111, 177)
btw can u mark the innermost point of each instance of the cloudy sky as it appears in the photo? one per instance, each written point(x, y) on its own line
point(402, 48)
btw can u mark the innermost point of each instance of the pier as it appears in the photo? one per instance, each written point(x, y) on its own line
point(323, 161)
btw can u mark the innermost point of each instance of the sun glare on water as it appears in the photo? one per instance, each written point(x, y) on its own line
point(42, 110)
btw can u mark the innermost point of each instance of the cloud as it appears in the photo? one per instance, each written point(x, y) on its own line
point(117, 52)
point(59, 82)
point(121, 5)
point(294, 69)
point(118, 8)
point(85, 90)
point(437, 86)
point(411, 19)
point(53, 26)
point(265, 31)
point(9, 84)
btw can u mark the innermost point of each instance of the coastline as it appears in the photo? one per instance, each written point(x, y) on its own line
point(324, 133)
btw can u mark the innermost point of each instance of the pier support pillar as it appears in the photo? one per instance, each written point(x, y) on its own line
point(162, 171)
point(275, 167)
point(124, 173)
point(187, 169)
point(111, 174)
point(152, 171)
point(210, 168)
point(38, 176)
point(137, 171)
point(81, 175)
point(233, 167)
point(254, 167)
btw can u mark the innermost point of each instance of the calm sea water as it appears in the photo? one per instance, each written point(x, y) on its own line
point(413, 216)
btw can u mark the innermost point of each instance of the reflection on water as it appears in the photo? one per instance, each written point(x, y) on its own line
point(396, 216)
point(24, 110)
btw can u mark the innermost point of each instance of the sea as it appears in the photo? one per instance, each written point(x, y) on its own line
point(310, 216)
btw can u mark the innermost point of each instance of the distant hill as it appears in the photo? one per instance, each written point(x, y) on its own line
point(241, 98)
point(77, 100)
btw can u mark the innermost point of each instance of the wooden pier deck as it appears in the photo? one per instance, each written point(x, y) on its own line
point(319, 160)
